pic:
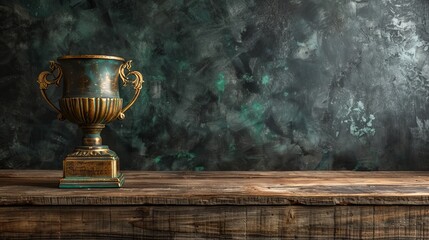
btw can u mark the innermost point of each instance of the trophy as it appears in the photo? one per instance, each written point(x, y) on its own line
point(91, 100)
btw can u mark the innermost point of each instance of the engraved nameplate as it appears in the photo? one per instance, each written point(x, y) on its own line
point(90, 168)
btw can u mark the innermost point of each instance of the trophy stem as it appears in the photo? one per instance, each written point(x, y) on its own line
point(91, 134)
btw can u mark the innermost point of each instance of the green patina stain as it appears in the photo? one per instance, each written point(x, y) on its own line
point(154, 119)
point(186, 155)
point(247, 77)
point(266, 79)
point(253, 116)
point(253, 112)
point(199, 168)
point(257, 108)
point(182, 66)
point(232, 147)
point(157, 160)
point(220, 82)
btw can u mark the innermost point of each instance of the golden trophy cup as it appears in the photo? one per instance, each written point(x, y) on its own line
point(91, 100)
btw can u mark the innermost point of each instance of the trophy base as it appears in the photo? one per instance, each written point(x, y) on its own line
point(92, 182)
point(91, 167)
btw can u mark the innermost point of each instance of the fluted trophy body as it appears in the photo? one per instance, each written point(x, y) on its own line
point(91, 99)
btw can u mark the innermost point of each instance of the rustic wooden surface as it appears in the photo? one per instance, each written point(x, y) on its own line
point(215, 222)
point(223, 188)
point(219, 205)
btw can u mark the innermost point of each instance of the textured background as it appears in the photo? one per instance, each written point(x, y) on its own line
point(230, 85)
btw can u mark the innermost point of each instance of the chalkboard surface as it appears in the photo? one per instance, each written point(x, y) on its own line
point(230, 85)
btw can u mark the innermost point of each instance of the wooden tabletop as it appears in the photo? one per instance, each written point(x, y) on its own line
point(40, 187)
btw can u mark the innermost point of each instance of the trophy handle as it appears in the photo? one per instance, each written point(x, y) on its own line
point(137, 83)
point(44, 83)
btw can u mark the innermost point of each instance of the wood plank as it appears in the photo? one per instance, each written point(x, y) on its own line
point(39, 187)
point(215, 222)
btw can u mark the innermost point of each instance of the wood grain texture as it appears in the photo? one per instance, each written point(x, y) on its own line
point(224, 188)
point(215, 222)
point(218, 205)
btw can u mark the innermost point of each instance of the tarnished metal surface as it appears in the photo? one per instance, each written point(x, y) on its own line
point(89, 77)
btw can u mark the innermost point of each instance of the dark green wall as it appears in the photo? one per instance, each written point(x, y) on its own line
point(230, 85)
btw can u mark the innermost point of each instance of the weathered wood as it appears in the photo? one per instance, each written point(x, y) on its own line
point(215, 222)
point(219, 205)
point(224, 188)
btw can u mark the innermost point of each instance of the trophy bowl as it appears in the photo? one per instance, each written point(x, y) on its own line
point(91, 99)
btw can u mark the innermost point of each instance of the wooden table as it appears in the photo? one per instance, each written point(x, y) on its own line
point(219, 205)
